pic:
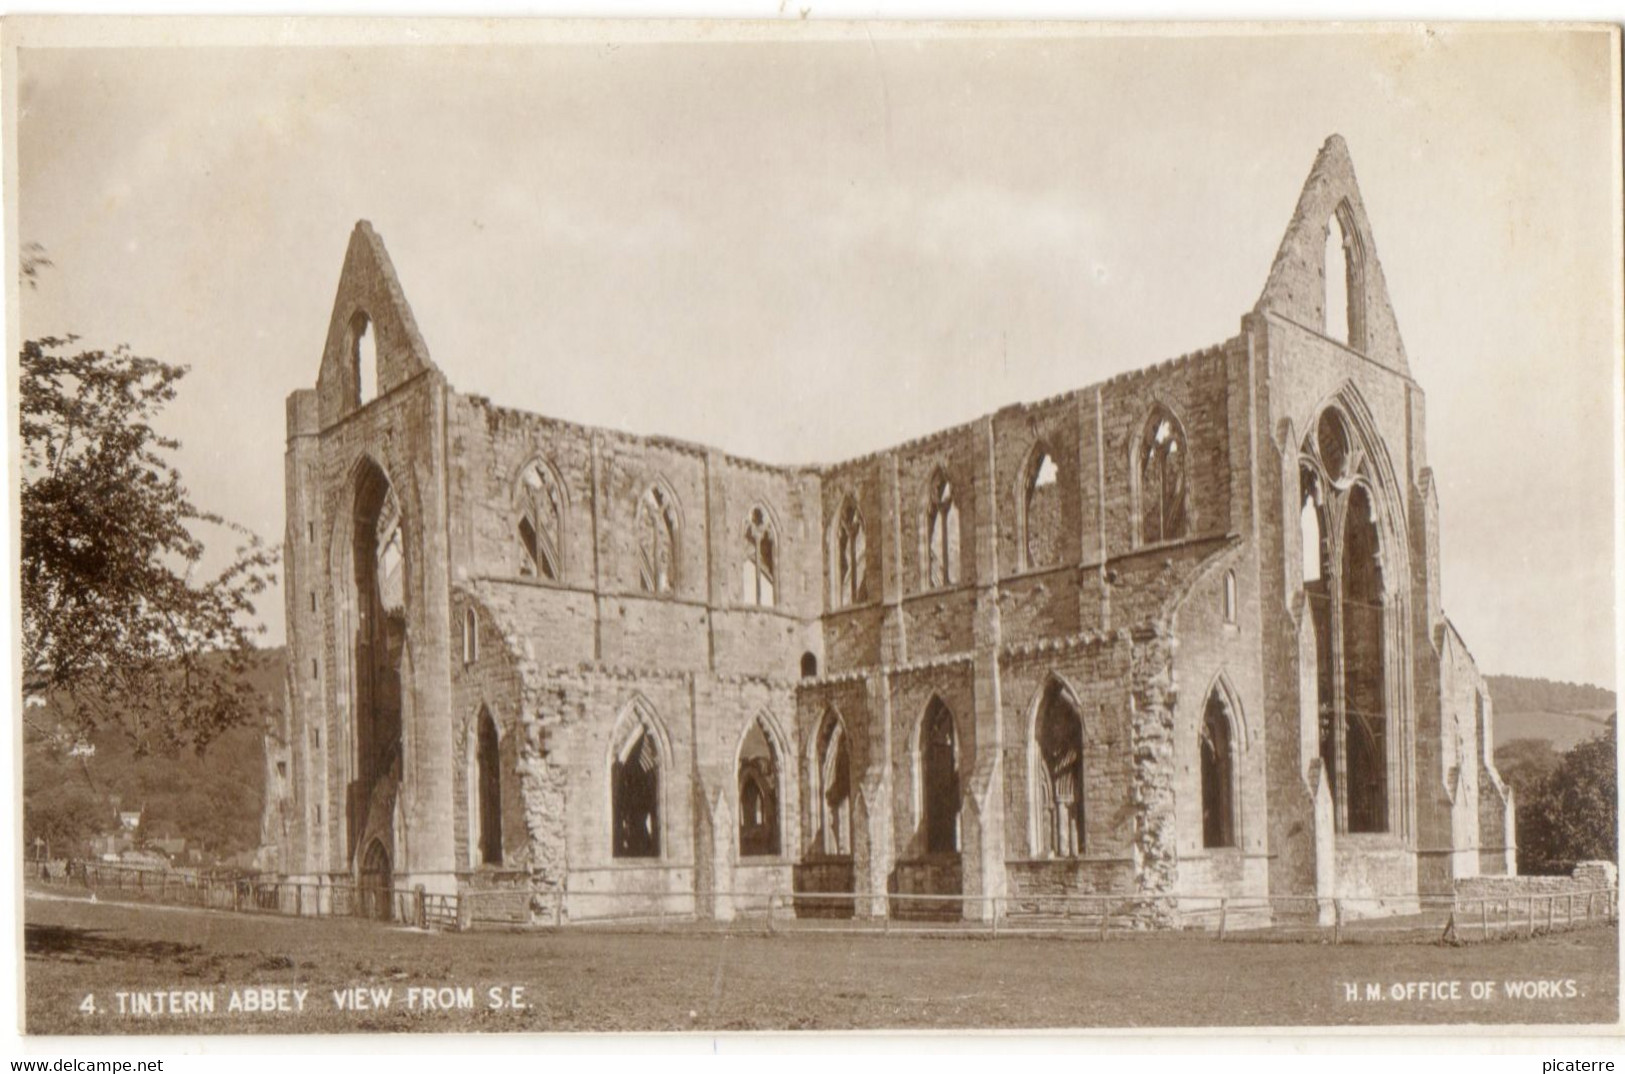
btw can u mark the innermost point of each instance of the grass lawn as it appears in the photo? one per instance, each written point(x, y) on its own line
point(697, 980)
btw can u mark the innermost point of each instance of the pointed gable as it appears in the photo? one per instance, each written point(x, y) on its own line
point(369, 296)
point(1330, 210)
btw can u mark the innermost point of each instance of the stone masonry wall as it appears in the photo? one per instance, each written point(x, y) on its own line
point(1140, 631)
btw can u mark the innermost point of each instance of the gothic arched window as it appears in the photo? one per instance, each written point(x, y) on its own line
point(1345, 596)
point(1218, 774)
point(541, 522)
point(939, 780)
point(635, 788)
point(832, 790)
point(759, 568)
point(657, 541)
point(1164, 507)
point(1058, 749)
point(758, 793)
point(942, 534)
point(1344, 279)
point(1040, 509)
point(851, 557)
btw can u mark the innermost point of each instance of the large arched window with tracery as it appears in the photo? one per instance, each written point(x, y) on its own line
point(658, 529)
point(851, 557)
point(380, 644)
point(1164, 494)
point(541, 522)
point(1344, 591)
point(942, 534)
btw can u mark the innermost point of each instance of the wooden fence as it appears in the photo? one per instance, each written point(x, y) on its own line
point(1422, 918)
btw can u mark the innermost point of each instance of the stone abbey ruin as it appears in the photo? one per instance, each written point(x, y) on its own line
point(1176, 634)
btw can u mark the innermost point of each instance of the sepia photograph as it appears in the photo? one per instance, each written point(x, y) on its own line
point(561, 527)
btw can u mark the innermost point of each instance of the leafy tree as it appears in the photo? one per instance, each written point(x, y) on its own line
point(61, 806)
point(1525, 764)
point(118, 630)
point(1574, 816)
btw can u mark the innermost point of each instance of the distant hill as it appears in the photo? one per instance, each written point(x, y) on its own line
point(1562, 713)
point(214, 799)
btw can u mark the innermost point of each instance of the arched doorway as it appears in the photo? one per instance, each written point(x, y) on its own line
point(377, 881)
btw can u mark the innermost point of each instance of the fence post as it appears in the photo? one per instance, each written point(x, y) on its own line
point(1224, 913)
point(1337, 921)
point(420, 908)
point(1551, 904)
point(1105, 916)
point(993, 908)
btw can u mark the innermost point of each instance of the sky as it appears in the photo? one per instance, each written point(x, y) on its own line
point(805, 248)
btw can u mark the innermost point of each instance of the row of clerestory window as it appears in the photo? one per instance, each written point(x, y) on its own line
point(1162, 514)
point(658, 528)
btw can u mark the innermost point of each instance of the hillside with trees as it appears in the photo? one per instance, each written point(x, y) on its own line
point(74, 784)
point(1563, 713)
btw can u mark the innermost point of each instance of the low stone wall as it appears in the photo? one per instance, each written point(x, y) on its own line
point(629, 892)
point(1588, 876)
point(505, 897)
point(824, 876)
point(923, 877)
point(1040, 879)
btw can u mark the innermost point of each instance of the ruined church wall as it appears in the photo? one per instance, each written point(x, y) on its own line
point(573, 720)
point(706, 622)
point(849, 700)
point(1098, 674)
point(1216, 655)
point(912, 691)
point(853, 633)
point(489, 682)
point(1304, 371)
point(400, 432)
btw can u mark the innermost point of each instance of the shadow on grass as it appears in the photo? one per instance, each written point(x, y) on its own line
point(84, 945)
